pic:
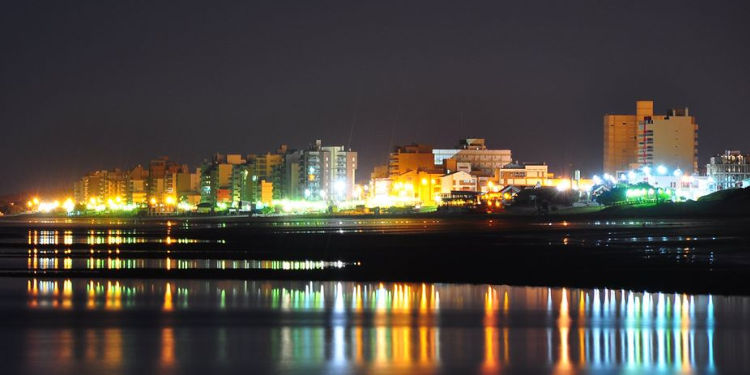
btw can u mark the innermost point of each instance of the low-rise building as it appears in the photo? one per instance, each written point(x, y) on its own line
point(523, 174)
point(729, 170)
point(473, 151)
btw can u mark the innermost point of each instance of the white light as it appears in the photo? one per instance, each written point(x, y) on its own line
point(662, 170)
point(647, 170)
point(631, 175)
point(339, 186)
point(677, 172)
point(597, 180)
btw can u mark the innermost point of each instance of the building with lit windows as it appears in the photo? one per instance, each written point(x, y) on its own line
point(161, 171)
point(321, 173)
point(473, 151)
point(729, 170)
point(670, 139)
point(137, 186)
point(268, 168)
point(458, 181)
point(523, 174)
point(101, 186)
point(620, 138)
point(646, 139)
point(222, 181)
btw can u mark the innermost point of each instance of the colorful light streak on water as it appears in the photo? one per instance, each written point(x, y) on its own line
point(341, 326)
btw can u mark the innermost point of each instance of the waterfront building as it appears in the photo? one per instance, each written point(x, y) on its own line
point(458, 181)
point(412, 157)
point(523, 175)
point(222, 181)
point(670, 140)
point(646, 139)
point(321, 173)
point(418, 186)
point(268, 167)
point(101, 186)
point(160, 174)
point(473, 151)
point(137, 186)
point(620, 137)
point(729, 170)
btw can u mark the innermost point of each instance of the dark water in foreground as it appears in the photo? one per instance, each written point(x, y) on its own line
point(130, 296)
point(208, 326)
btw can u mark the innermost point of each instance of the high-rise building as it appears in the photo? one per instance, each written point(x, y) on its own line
point(620, 138)
point(320, 173)
point(670, 140)
point(101, 186)
point(645, 139)
point(222, 181)
point(137, 186)
point(483, 161)
point(160, 173)
point(266, 168)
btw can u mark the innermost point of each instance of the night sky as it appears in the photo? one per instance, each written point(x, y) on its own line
point(104, 84)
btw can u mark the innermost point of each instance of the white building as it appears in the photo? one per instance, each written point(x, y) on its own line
point(475, 152)
point(322, 173)
point(457, 181)
point(729, 170)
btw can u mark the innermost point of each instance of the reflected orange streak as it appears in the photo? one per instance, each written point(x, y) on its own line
point(167, 347)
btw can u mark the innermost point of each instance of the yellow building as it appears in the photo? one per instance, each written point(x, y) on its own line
point(411, 157)
point(669, 140)
point(266, 192)
point(419, 186)
point(620, 138)
point(528, 174)
point(645, 139)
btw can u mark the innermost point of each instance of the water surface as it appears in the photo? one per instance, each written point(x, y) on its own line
point(195, 326)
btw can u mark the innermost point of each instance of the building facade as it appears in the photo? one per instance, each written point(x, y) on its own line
point(729, 170)
point(413, 157)
point(321, 173)
point(645, 139)
point(223, 180)
point(620, 138)
point(473, 151)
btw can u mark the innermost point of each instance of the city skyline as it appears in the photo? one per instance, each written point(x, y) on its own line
point(109, 87)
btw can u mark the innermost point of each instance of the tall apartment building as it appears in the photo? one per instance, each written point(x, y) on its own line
point(266, 168)
point(645, 139)
point(161, 172)
point(473, 151)
point(101, 185)
point(320, 173)
point(137, 186)
point(670, 140)
point(621, 137)
point(222, 180)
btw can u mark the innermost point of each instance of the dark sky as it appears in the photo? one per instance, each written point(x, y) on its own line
point(101, 84)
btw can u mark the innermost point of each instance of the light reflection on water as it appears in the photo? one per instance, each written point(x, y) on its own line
point(405, 327)
point(67, 262)
point(106, 237)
